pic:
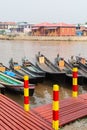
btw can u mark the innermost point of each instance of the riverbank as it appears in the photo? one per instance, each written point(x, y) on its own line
point(43, 38)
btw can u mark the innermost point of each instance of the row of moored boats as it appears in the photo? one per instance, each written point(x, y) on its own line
point(12, 77)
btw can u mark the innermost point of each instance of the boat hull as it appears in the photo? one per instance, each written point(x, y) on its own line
point(20, 90)
point(15, 85)
point(52, 72)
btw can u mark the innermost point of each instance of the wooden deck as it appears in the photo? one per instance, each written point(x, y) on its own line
point(13, 117)
point(70, 110)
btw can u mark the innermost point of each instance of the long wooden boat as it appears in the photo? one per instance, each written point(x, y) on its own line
point(10, 72)
point(29, 66)
point(14, 84)
point(75, 63)
point(63, 65)
point(82, 62)
point(48, 67)
point(2, 89)
point(19, 70)
point(67, 66)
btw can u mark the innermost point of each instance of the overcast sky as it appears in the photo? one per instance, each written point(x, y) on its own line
point(37, 11)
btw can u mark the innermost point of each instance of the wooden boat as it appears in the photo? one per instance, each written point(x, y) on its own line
point(19, 70)
point(82, 62)
point(2, 89)
point(81, 71)
point(63, 66)
point(73, 62)
point(48, 67)
point(31, 67)
point(33, 78)
point(14, 84)
point(10, 72)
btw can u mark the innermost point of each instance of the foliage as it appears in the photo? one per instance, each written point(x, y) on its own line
point(2, 31)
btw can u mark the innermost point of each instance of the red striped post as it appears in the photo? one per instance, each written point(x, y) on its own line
point(75, 82)
point(26, 93)
point(55, 123)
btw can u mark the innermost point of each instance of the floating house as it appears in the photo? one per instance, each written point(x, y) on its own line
point(55, 29)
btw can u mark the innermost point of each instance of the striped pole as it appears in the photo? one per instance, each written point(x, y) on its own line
point(75, 82)
point(55, 123)
point(26, 93)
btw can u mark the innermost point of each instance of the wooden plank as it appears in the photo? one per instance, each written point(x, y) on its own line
point(15, 117)
point(3, 126)
point(83, 96)
point(70, 109)
point(17, 113)
point(8, 125)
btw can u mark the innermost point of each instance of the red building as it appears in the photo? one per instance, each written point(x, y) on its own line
point(48, 29)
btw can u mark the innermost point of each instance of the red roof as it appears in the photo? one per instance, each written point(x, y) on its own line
point(43, 24)
point(65, 25)
point(53, 25)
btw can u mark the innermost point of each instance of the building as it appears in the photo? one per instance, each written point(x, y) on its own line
point(56, 29)
point(84, 30)
point(7, 27)
point(12, 27)
point(81, 30)
point(23, 27)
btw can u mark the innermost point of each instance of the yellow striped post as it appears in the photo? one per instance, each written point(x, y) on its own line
point(75, 82)
point(55, 123)
point(26, 93)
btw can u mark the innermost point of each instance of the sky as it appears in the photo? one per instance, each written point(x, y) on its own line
point(37, 11)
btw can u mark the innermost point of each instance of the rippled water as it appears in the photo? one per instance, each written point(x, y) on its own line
point(43, 92)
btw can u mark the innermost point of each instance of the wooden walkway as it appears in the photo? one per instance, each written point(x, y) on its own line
point(13, 117)
point(70, 110)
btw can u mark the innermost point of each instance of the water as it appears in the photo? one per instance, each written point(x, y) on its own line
point(18, 49)
point(43, 92)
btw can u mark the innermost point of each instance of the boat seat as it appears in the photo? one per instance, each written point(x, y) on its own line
point(17, 67)
point(61, 64)
point(26, 64)
point(2, 69)
point(41, 59)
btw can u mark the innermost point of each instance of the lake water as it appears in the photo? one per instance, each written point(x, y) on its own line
point(43, 92)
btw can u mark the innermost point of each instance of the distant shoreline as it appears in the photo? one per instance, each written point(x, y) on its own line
point(44, 38)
